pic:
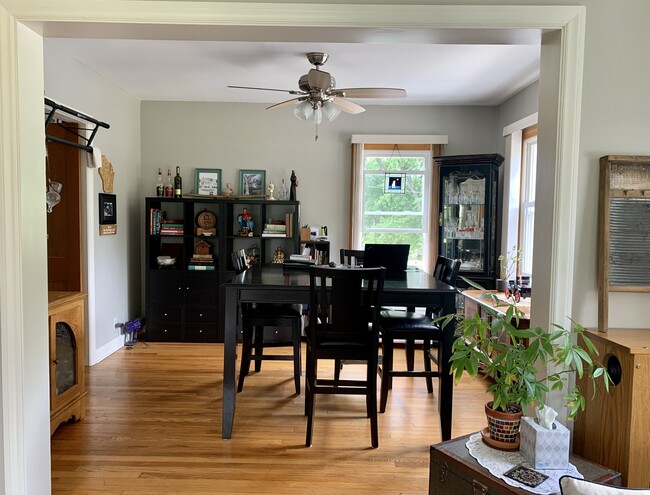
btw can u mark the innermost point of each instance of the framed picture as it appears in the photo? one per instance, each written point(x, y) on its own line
point(395, 183)
point(107, 209)
point(252, 182)
point(207, 181)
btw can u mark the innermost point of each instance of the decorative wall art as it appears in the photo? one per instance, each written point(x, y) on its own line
point(207, 181)
point(252, 183)
point(107, 214)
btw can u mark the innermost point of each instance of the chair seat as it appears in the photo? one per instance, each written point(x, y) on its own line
point(404, 320)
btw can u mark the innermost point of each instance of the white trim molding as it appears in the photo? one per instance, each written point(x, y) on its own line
point(521, 124)
point(399, 139)
point(11, 283)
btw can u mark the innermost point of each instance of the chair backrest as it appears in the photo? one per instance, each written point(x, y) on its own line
point(446, 270)
point(342, 302)
point(347, 254)
point(238, 258)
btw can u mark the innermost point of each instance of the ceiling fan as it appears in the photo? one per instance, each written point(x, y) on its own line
point(318, 94)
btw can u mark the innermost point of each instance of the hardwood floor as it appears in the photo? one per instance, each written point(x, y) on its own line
point(153, 426)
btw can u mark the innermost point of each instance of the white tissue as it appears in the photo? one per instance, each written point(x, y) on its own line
point(96, 161)
point(546, 416)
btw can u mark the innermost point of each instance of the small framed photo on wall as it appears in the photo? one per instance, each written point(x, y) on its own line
point(252, 182)
point(207, 181)
point(107, 214)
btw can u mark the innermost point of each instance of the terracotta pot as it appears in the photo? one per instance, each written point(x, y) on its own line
point(503, 426)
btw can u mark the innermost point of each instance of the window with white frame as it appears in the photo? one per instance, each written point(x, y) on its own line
point(397, 215)
point(527, 210)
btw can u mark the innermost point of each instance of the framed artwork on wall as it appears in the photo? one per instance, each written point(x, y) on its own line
point(107, 214)
point(207, 181)
point(252, 182)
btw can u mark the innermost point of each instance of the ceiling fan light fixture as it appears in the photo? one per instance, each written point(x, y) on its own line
point(303, 110)
point(330, 110)
point(316, 116)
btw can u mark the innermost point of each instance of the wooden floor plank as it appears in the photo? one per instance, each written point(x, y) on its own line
point(153, 426)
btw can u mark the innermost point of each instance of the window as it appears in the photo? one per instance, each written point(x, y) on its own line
point(397, 218)
point(527, 210)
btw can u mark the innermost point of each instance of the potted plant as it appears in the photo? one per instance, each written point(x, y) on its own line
point(508, 267)
point(508, 357)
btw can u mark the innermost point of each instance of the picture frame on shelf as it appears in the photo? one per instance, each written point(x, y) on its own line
point(252, 182)
point(207, 181)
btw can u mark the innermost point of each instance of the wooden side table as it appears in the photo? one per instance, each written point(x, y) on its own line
point(453, 470)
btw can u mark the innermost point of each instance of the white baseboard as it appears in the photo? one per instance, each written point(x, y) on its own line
point(97, 355)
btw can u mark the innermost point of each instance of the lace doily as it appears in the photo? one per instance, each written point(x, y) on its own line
point(499, 462)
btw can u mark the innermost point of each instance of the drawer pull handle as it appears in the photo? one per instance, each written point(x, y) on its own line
point(165, 330)
point(443, 472)
point(200, 314)
point(479, 488)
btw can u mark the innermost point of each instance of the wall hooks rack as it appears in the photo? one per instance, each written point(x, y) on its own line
point(58, 108)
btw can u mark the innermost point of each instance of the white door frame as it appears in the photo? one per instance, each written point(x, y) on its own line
point(561, 125)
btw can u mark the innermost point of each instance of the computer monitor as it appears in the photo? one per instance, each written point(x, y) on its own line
point(393, 257)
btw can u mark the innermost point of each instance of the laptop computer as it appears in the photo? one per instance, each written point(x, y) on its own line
point(393, 257)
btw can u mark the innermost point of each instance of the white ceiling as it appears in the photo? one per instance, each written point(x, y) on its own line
point(436, 67)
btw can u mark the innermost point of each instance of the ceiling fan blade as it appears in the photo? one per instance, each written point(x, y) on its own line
point(347, 106)
point(371, 92)
point(319, 79)
point(284, 103)
point(290, 91)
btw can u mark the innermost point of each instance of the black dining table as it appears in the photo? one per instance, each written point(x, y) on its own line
point(275, 283)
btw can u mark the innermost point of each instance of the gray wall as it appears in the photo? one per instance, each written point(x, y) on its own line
point(113, 277)
point(233, 136)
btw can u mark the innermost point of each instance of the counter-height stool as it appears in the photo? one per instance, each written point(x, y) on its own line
point(411, 326)
point(254, 318)
point(343, 314)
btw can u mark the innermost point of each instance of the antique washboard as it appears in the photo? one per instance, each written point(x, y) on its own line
point(624, 229)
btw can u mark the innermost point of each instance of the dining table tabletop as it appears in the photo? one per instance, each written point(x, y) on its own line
point(276, 283)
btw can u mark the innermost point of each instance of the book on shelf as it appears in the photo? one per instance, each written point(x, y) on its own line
point(279, 227)
point(300, 257)
point(201, 267)
point(274, 234)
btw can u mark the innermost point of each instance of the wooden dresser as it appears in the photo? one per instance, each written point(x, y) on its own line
point(67, 362)
point(613, 429)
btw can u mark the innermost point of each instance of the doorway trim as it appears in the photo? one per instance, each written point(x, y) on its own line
point(563, 123)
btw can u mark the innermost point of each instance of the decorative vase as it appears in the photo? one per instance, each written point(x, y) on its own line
point(503, 427)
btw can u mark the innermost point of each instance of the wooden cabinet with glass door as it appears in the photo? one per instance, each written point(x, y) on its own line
point(467, 215)
point(67, 362)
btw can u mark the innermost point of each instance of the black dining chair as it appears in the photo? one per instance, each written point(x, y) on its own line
point(410, 326)
point(254, 319)
point(343, 317)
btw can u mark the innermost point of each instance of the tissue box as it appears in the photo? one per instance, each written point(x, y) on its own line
point(544, 448)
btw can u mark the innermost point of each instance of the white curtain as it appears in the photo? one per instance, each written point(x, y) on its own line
point(356, 196)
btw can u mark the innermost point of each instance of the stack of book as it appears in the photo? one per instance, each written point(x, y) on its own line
point(201, 262)
point(274, 230)
point(171, 227)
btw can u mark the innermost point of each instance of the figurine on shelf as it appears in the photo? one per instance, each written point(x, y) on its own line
point(246, 223)
point(278, 257)
point(271, 188)
point(294, 184)
point(229, 190)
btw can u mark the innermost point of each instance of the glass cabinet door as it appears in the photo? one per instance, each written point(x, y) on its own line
point(468, 219)
point(463, 219)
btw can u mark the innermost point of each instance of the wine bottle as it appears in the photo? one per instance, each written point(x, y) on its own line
point(160, 188)
point(169, 186)
point(178, 183)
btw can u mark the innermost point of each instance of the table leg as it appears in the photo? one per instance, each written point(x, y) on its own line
point(229, 326)
point(445, 381)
